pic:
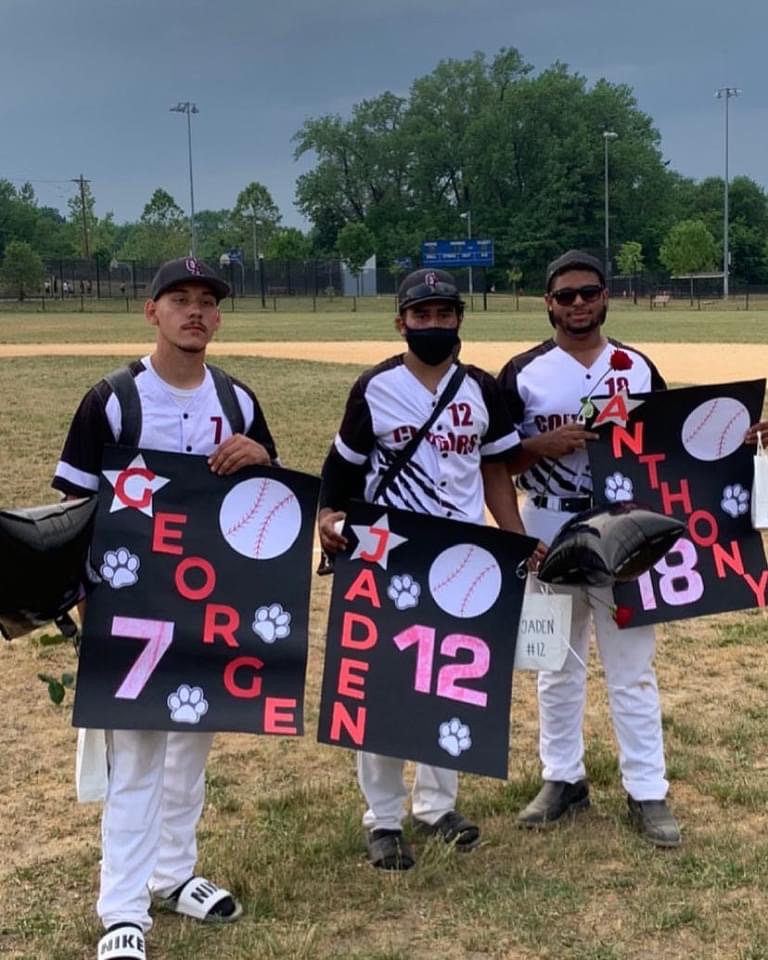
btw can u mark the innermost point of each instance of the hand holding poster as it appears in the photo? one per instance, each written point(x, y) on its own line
point(682, 453)
point(421, 639)
point(198, 619)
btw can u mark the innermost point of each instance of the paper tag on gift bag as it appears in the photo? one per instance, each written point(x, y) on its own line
point(544, 631)
point(759, 503)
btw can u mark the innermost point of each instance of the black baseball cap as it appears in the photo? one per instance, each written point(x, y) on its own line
point(423, 285)
point(172, 273)
point(574, 260)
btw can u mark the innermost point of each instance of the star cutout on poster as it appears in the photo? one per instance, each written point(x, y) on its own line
point(134, 486)
point(376, 541)
point(615, 409)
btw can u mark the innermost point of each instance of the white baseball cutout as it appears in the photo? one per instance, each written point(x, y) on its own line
point(465, 580)
point(715, 429)
point(260, 518)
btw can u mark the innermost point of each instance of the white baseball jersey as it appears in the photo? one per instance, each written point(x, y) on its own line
point(386, 407)
point(545, 388)
point(173, 420)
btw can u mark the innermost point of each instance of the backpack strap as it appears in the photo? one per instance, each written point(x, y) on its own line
point(124, 388)
point(225, 390)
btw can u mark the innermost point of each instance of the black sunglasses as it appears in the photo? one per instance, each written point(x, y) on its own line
point(567, 296)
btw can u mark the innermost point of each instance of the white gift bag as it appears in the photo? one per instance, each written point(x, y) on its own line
point(91, 766)
point(544, 632)
point(759, 504)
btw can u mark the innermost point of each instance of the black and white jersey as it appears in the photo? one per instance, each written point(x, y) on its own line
point(545, 388)
point(173, 420)
point(386, 407)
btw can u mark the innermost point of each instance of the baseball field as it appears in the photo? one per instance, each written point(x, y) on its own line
point(282, 824)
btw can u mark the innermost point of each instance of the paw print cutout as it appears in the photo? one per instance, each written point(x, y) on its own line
point(271, 623)
point(454, 737)
point(735, 500)
point(119, 568)
point(618, 487)
point(187, 704)
point(403, 591)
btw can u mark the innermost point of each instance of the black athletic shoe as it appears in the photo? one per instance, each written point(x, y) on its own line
point(556, 799)
point(655, 821)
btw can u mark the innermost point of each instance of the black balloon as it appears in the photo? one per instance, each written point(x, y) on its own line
point(44, 551)
point(607, 544)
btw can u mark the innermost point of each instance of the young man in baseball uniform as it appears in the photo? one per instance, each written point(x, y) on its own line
point(156, 779)
point(457, 467)
point(545, 388)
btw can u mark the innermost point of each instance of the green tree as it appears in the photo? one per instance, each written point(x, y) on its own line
point(257, 217)
point(630, 262)
point(288, 243)
point(161, 233)
point(355, 244)
point(22, 269)
point(689, 247)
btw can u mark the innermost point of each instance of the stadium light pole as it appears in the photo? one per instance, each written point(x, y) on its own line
point(186, 106)
point(468, 217)
point(608, 135)
point(725, 93)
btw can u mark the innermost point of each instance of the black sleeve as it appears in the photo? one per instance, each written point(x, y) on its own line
point(355, 434)
point(507, 381)
point(340, 482)
point(77, 473)
point(501, 441)
point(657, 381)
point(260, 432)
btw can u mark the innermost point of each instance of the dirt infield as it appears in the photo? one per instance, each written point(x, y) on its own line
point(678, 362)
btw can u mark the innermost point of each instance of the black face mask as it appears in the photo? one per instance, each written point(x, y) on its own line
point(433, 345)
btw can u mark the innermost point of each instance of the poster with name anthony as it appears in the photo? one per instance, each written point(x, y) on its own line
point(682, 453)
point(198, 619)
point(421, 639)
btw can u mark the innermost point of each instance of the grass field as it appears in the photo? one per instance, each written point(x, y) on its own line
point(282, 826)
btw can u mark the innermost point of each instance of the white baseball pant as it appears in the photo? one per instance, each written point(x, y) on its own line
point(154, 799)
point(633, 695)
point(381, 780)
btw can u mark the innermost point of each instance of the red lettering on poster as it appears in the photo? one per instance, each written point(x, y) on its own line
point(230, 682)
point(162, 533)
point(220, 620)
point(695, 521)
point(758, 588)
point(195, 593)
point(614, 408)
point(124, 497)
point(620, 436)
point(668, 499)
point(724, 559)
point(651, 460)
point(364, 586)
point(366, 642)
point(280, 716)
point(383, 536)
point(352, 684)
point(341, 718)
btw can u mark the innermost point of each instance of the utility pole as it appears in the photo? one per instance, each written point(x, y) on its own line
point(82, 181)
point(725, 93)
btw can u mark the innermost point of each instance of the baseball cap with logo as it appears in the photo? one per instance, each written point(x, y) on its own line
point(574, 260)
point(173, 273)
point(423, 285)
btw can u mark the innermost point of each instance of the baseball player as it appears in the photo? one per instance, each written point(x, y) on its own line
point(156, 779)
point(545, 389)
point(459, 465)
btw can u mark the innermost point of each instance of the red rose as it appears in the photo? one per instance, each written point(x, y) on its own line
point(620, 360)
point(623, 614)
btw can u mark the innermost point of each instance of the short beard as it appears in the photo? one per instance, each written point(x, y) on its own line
point(580, 331)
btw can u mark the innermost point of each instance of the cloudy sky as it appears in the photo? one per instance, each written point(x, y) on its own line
point(86, 85)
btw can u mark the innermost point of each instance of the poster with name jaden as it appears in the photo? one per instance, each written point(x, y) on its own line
point(682, 453)
point(421, 639)
point(198, 619)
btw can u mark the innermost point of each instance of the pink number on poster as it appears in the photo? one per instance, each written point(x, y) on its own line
point(679, 583)
point(159, 636)
point(424, 638)
point(449, 676)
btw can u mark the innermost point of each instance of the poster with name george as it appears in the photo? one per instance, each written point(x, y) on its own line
point(199, 616)
point(421, 639)
point(682, 453)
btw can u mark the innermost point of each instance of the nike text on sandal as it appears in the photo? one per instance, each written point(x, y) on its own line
point(555, 800)
point(123, 941)
point(453, 828)
point(388, 850)
point(202, 900)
